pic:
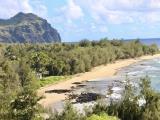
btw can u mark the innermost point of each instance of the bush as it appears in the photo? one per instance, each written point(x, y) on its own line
point(69, 113)
point(102, 116)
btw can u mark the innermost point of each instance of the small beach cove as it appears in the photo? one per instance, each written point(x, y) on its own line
point(58, 92)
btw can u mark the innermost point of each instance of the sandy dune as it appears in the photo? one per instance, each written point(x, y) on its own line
point(97, 72)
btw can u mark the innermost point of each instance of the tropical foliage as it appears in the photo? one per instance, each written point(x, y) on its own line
point(142, 104)
point(67, 59)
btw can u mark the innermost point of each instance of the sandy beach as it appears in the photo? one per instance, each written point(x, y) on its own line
point(96, 73)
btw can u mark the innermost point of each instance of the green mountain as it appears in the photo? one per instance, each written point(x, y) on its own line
point(27, 27)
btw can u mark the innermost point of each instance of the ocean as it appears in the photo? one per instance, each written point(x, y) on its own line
point(151, 41)
point(150, 68)
point(134, 72)
point(113, 87)
point(116, 84)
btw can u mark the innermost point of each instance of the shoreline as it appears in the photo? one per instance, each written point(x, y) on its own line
point(101, 71)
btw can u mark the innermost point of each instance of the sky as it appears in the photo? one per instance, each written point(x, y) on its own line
point(92, 19)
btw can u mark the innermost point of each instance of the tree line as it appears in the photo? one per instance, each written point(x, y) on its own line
point(68, 59)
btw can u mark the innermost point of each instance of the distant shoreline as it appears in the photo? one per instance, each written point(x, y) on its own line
point(96, 73)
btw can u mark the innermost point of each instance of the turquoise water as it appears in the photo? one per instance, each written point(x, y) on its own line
point(150, 68)
point(134, 72)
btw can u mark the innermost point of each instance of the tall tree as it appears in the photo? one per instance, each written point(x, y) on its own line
point(8, 88)
point(25, 106)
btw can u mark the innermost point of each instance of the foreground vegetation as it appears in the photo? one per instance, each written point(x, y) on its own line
point(101, 117)
point(21, 66)
point(18, 99)
point(141, 104)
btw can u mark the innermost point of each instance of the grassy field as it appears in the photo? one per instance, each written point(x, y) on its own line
point(52, 80)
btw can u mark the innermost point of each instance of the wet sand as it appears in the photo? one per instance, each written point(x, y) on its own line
point(96, 73)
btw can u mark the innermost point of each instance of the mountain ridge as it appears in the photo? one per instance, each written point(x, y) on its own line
point(27, 27)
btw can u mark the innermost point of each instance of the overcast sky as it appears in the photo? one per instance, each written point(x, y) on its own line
point(93, 19)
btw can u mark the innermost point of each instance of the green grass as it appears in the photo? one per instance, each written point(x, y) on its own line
point(52, 80)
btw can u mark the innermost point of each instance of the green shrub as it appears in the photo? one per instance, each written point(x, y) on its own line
point(102, 116)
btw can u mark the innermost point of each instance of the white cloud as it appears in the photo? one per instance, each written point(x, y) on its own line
point(66, 16)
point(154, 4)
point(122, 11)
point(152, 17)
point(39, 8)
point(9, 8)
point(24, 6)
point(72, 11)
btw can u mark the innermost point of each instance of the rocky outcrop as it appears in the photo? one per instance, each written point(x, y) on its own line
point(27, 28)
